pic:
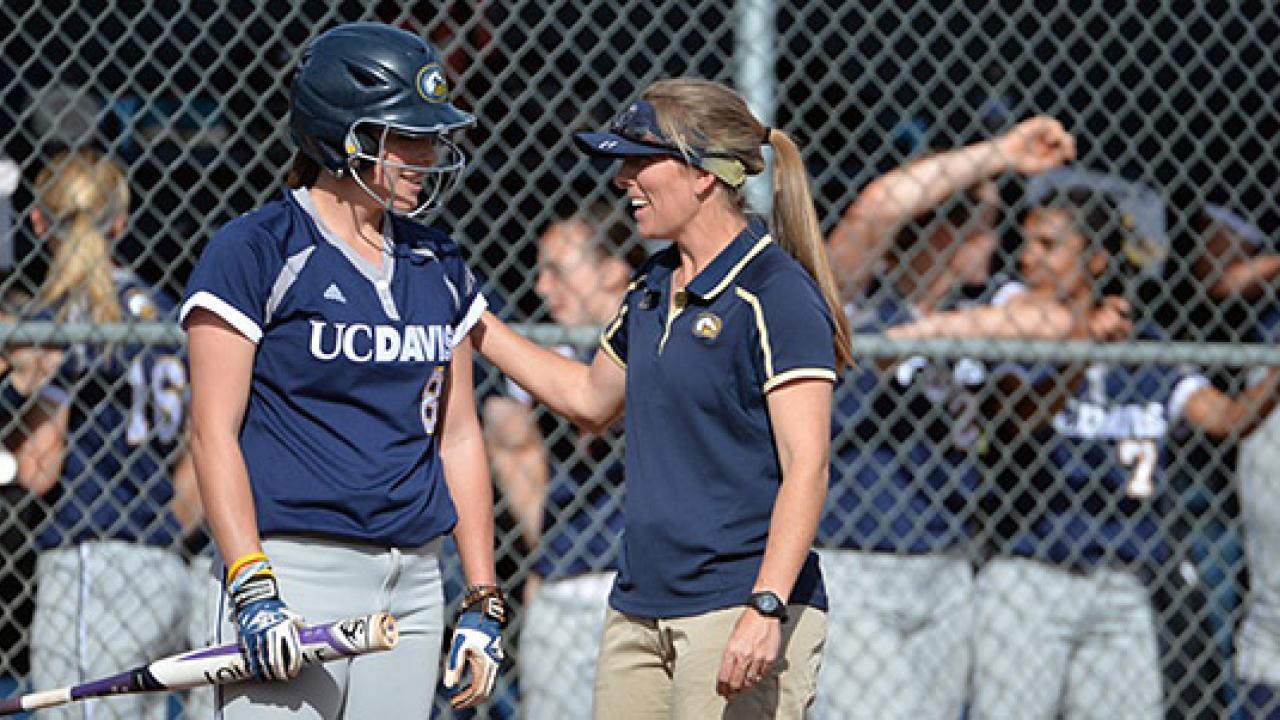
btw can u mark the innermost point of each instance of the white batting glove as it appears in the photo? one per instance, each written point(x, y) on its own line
point(477, 647)
point(268, 628)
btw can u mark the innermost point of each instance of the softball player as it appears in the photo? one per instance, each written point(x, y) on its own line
point(1064, 623)
point(899, 515)
point(1258, 639)
point(723, 353)
point(334, 428)
point(110, 585)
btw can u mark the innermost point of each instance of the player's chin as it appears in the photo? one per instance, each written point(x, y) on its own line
point(405, 203)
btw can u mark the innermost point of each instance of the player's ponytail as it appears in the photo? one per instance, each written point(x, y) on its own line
point(82, 194)
point(303, 172)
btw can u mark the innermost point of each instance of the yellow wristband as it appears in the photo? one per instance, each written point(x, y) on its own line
point(248, 558)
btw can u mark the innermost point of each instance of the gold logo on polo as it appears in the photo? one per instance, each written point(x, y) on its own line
point(707, 325)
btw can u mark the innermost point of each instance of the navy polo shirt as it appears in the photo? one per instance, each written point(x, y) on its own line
point(701, 465)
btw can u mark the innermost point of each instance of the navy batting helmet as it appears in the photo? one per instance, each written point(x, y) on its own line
point(358, 82)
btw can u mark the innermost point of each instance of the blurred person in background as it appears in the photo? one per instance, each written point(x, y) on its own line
point(1217, 287)
point(1065, 624)
point(103, 450)
point(566, 480)
point(18, 513)
point(1231, 263)
point(1257, 640)
point(899, 522)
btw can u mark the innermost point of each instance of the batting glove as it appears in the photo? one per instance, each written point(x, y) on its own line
point(477, 646)
point(268, 629)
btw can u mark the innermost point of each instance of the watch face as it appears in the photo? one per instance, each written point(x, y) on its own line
point(767, 603)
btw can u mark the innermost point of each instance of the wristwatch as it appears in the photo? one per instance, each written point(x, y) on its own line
point(768, 604)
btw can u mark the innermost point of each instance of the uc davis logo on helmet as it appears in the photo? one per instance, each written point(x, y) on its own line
point(431, 84)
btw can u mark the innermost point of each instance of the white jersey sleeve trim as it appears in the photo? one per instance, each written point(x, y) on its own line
point(223, 309)
point(1007, 292)
point(478, 306)
point(1182, 392)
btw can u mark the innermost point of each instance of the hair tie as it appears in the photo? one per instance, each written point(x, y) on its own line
point(764, 139)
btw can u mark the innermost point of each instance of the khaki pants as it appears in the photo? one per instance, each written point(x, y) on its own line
point(667, 668)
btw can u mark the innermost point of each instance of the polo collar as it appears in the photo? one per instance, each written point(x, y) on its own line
point(717, 276)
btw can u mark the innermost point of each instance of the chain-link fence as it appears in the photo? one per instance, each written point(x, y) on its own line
point(983, 530)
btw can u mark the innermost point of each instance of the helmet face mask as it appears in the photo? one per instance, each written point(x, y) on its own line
point(366, 149)
point(361, 82)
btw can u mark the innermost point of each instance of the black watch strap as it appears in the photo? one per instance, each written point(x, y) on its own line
point(768, 604)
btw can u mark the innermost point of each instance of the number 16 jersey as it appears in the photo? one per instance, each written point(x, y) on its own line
point(125, 405)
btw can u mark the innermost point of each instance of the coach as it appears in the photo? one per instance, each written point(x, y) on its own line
point(724, 353)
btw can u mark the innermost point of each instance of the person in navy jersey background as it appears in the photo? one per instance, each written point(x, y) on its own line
point(723, 355)
point(103, 449)
point(1065, 622)
point(334, 427)
point(896, 537)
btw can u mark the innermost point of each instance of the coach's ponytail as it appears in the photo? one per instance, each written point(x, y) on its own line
point(796, 225)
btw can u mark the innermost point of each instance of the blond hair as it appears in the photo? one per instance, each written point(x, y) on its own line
point(83, 195)
point(704, 115)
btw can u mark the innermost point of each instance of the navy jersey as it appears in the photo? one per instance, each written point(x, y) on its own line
point(701, 463)
point(1266, 329)
point(582, 521)
point(126, 407)
point(1087, 489)
point(339, 434)
point(908, 442)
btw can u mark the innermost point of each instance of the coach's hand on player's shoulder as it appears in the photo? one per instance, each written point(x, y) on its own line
point(268, 628)
point(750, 654)
point(476, 646)
point(1037, 145)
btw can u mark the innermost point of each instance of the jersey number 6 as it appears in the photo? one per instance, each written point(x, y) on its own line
point(430, 407)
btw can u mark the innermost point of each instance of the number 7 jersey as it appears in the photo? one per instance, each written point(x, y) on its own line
point(1086, 489)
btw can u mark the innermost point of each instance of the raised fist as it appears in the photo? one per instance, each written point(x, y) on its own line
point(1037, 145)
